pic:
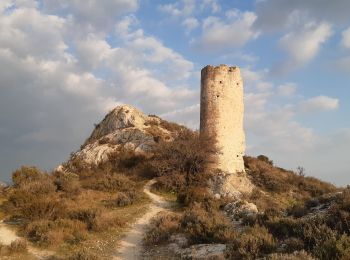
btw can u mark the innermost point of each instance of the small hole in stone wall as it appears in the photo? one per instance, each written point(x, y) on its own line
point(217, 96)
point(220, 82)
point(237, 84)
point(237, 156)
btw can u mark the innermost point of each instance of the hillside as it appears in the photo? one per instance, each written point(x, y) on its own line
point(82, 209)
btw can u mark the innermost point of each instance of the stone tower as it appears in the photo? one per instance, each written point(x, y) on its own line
point(221, 115)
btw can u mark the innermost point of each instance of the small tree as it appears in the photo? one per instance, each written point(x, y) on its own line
point(301, 171)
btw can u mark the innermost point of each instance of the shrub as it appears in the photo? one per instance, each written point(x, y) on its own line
point(67, 182)
point(172, 127)
point(49, 208)
point(293, 244)
point(109, 183)
point(170, 184)
point(106, 221)
point(278, 180)
point(126, 198)
point(18, 246)
point(121, 200)
point(193, 195)
point(27, 191)
point(126, 159)
point(297, 255)
point(83, 254)
point(297, 210)
point(202, 226)
point(253, 243)
point(26, 174)
point(187, 154)
point(47, 233)
point(265, 159)
point(161, 228)
point(88, 216)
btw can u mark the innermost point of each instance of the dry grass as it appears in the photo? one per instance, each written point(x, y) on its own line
point(66, 212)
point(255, 242)
point(279, 188)
point(162, 227)
point(17, 250)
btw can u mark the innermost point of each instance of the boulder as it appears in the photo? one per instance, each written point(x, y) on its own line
point(240, 209)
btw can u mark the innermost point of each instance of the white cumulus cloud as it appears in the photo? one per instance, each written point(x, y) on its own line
point(190, 24)
point(346, 38)
point(319, 103)
point(233, 31)
point(287, 90)
point(303, 44)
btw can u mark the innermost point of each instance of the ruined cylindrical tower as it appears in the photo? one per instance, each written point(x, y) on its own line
point(221, 115)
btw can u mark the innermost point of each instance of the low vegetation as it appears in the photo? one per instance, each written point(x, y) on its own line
point(300, 217)
point(68, 210)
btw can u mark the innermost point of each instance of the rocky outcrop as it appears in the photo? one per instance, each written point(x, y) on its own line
point(204, 252)
point(230, 185)
point(179, 247)
point(123, 127)
point(240, 209)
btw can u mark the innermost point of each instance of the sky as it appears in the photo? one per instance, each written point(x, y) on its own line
point(65, 63)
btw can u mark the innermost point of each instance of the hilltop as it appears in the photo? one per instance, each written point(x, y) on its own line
point(81, 210)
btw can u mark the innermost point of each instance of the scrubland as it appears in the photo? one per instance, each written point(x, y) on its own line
point(79, 214)
point(299, 217)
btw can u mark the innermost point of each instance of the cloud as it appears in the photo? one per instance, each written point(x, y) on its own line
point(92, 14)
point(190, 24)
point(255, 80)
point(245, 57)
point(303, 44)
point(278, 14)
point(27, 32)
point(233, 31)
point(178, 9)
point(343, 63)
point(212, 4)
point(188, 116)
point(320, 103)
point(287, 90)
point(56, 81)
point(346, 38)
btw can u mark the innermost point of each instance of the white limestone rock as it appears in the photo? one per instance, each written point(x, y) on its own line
point(204, 252)
point(123, 127)
point(240, 208)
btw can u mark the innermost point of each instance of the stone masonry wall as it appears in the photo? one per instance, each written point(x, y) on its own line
point(221, 115)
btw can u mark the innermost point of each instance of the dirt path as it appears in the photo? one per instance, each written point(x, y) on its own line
point(8, 235)
point(130, 246)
